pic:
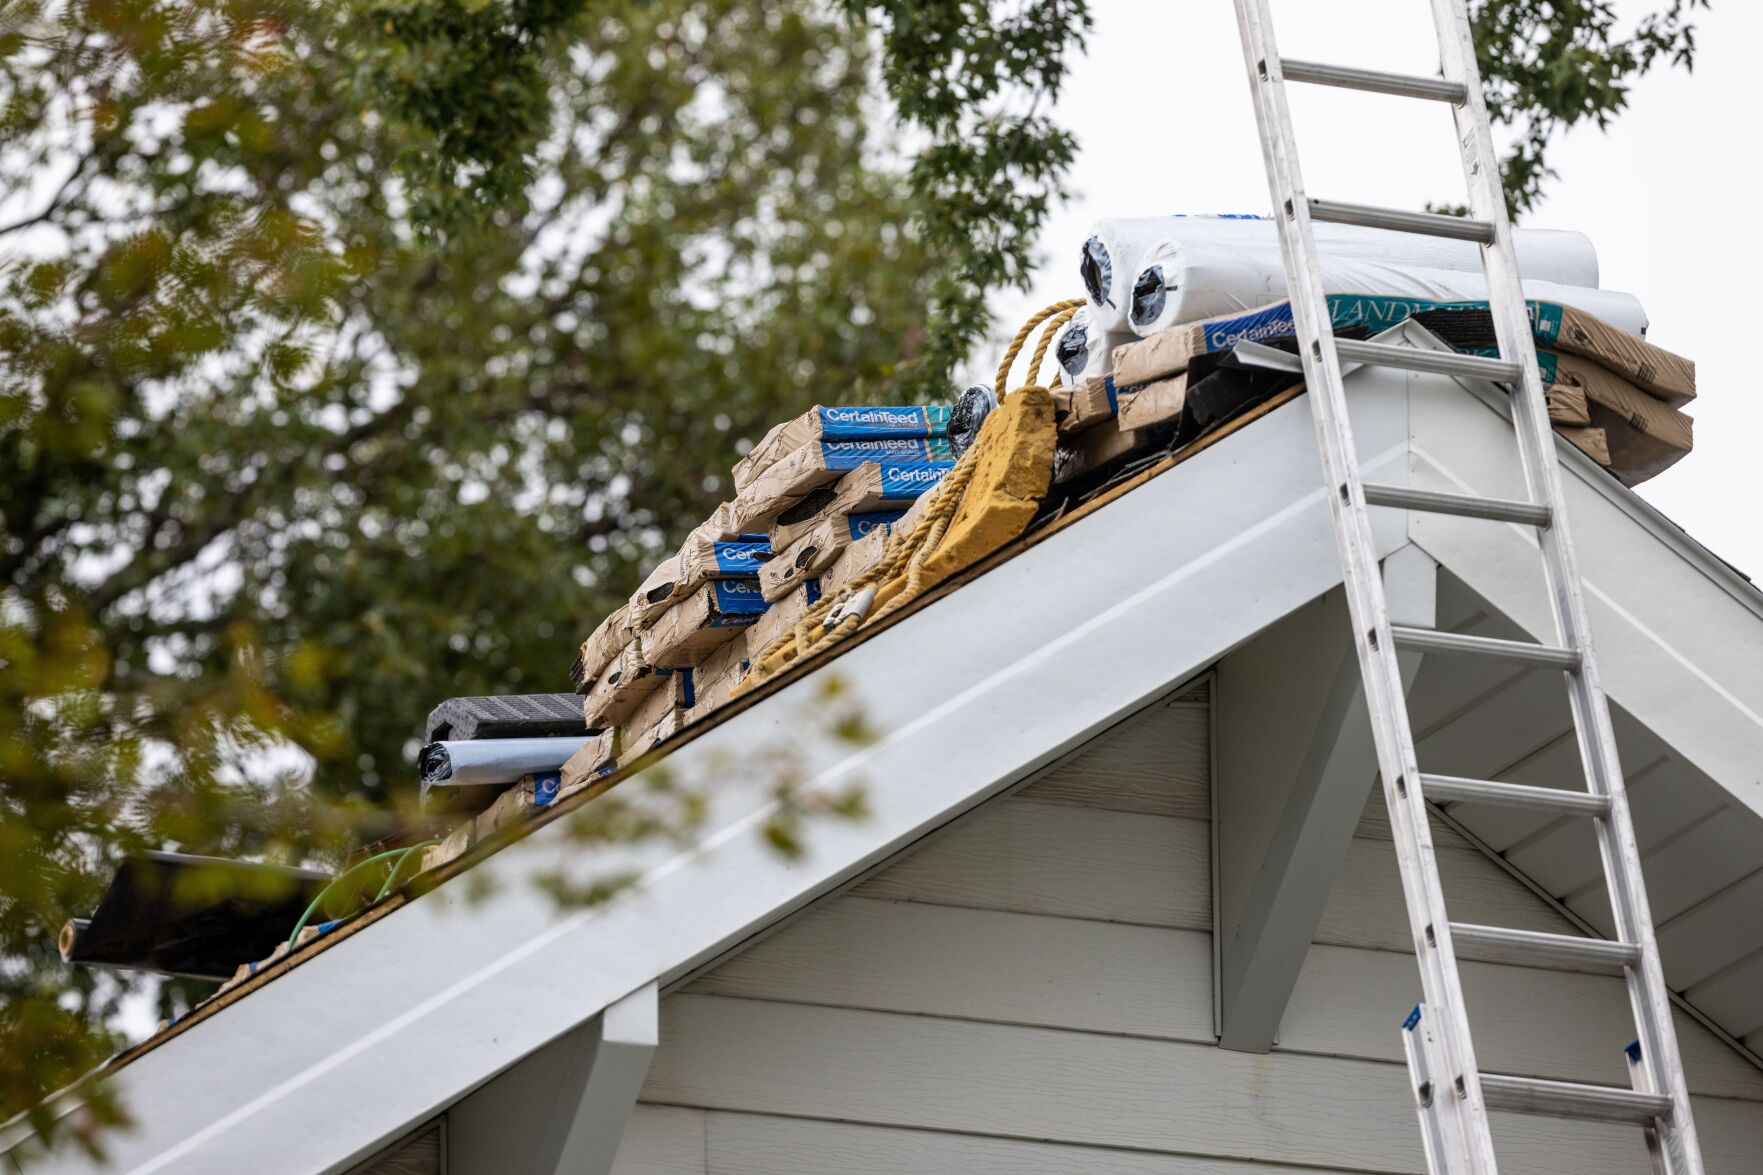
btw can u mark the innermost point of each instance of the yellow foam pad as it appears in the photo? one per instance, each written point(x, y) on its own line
point(1013, 467)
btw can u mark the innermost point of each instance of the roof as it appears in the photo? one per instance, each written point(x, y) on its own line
point(397, 1015)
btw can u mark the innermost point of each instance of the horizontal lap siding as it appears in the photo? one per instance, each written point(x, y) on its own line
point(1030, 991)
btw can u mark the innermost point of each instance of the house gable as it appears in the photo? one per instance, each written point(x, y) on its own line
point(1031, 990)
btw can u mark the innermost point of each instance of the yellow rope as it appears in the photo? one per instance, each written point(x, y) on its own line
point(1052, 329)
point(1015, 347)
point(898, 577)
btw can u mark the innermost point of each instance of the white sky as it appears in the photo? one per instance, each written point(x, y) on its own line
point(1160, 107)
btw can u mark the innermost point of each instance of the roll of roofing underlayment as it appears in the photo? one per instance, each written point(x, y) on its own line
point(1113, 255)
point(1082, 348)
point(493, 761)
point(1182, 282)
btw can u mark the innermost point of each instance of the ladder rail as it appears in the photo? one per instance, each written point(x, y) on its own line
point(1460, 1085)
point(1452, 1096)
point(1648, 995)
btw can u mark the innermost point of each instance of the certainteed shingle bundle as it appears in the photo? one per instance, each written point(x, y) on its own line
point(856, 423)
point(598, 651)
point(815, 551)
point(869, 489)
point(895, 468)
point(700, 559)
point(700, 622)
point(838, 460)
point(713, 681)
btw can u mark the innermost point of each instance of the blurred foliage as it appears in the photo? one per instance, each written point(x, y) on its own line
point(1549, 65)
point(358, 355)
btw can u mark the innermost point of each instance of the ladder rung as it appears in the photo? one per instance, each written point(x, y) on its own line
point(1433, 362)
point(1534, 948)
point(1465, 505)
point(1570, 1099)
point(1432, 224)
point(1427, 640)
point(1445, 789)
point(1348, 78)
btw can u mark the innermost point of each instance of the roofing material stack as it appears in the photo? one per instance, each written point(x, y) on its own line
point(1196, 286)
point(835, 462)
point(1611, 394)
point(713, 681)
point(817, 549)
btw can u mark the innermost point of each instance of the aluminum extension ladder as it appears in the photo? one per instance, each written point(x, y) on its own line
point(1452, 1094)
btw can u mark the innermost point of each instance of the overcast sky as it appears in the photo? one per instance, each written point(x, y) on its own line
point(1161, 109)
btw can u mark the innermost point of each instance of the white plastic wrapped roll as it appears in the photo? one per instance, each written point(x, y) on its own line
point(1114, 254)
point(1081, 349)
point(1184, 282)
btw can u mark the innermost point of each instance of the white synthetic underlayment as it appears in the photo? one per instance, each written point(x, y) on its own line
point(1081, 349)
point(1206, 280)
point(1118, 247)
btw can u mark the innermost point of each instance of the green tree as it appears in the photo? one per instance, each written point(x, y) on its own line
point(357, 355)
point(312, 416)
point(1549, 65)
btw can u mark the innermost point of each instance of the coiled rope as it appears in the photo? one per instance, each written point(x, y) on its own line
point(898, 577)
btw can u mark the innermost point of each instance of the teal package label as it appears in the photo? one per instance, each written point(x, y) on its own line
point(738, 601)
point(1376, 311)
point(902, 483)
point(843, 456)
point(861, 422)
point(739, 559)
point(861, 524)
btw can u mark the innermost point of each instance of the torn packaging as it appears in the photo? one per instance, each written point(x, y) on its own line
point(813, 466)
point(1644, 436)
point(702, 621)
point(665, 702)
point(628, 680)
point(857, 558)
point(597, 652)
point(1157, 402)
point(780, 618)
point(702, 558)
point(1088, 404)
point(815, 551)
point(595, 758)
point(1212, 390)
point(713, 681)
point(659, 732)
point(515, 805)
point(868, 489)
point(1590, 441)
point(838, 424)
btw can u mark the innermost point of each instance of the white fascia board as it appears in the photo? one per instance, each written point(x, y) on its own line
point(1679, 636)
point(389, 1026)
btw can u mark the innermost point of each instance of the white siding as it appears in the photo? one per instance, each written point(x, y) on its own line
point(1030, 991)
